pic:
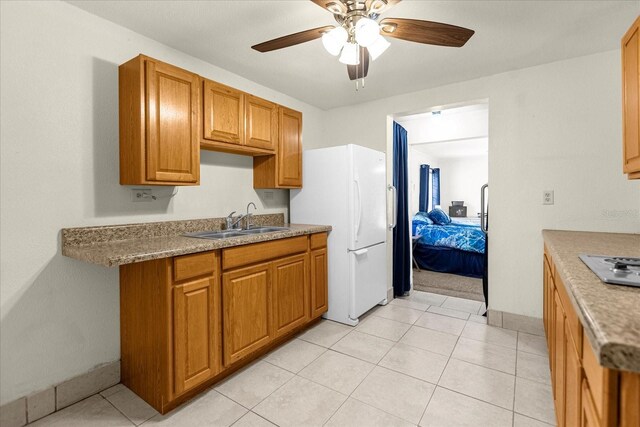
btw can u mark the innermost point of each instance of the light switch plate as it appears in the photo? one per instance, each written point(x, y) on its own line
point(547, 197)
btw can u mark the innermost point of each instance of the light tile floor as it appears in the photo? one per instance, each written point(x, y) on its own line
point(424, 360)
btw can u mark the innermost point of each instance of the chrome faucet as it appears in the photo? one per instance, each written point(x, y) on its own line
point(231, 224)
point(229, 221)
point(249, 215)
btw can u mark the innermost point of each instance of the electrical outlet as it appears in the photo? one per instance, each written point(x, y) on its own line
point(142, 195)
point(547, 197)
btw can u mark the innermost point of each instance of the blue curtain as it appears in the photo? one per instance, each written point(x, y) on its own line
point(401, 242)
point(423, 201)
point(435, 183)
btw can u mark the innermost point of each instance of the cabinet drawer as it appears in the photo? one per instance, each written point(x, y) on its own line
point(573, 323)
point(258, 252)
point(193, 265)
point(318, 240)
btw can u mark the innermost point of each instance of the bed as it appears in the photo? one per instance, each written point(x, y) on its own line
point(455, 247)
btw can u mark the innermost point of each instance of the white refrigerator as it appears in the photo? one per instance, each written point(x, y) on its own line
point(345, 187)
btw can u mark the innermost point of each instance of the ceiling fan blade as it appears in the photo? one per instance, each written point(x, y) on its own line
point(380, 6)
point(292, 39)
point(427, 32)
point(334, 6)
point(359, 71)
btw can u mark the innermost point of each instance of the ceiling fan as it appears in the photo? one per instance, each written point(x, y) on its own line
point(359, 37)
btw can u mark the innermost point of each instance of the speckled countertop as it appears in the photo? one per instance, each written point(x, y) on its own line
point(610, 314)
point(114, 245)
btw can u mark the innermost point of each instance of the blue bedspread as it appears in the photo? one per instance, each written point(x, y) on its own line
point(465, 237)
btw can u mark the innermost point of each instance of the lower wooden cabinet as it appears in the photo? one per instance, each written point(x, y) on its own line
point(189, 321)
point(319, 291)
point(585, 393)
point(196, 338)
point(246, 308)
point(291, 293)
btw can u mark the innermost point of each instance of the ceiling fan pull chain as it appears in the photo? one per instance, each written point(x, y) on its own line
point(363, 83)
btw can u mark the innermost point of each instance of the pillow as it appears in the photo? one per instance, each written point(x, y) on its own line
point(439, 217)
point(423, 217)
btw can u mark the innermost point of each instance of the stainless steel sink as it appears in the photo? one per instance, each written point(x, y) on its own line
point(260, 230)
point(226, 234)
point(214, 235)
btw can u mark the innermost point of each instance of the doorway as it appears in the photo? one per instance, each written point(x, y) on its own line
point(447, 165)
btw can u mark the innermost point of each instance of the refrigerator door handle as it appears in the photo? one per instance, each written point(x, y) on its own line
point(393, 224)
point(483, 218)
point(360, 252)
point(359, 214)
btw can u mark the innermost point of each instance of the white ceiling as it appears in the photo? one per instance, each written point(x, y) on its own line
point(509, 35)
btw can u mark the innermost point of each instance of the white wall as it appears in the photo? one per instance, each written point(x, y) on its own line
point(551, 127)
point(461, 179)
point(59, 152)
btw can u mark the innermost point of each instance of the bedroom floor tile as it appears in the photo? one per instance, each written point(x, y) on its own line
point(384, 372)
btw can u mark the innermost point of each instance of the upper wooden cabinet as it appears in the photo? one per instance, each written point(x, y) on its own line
point(168, 114)
point(159, 143)
point(237, 122)
point(223, 114)
point(261, 123)
point(631, 100)
point(284, 170)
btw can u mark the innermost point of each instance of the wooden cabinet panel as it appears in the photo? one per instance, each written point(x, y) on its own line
point(290, 293)
point(573, 325)
point(318, 240)
point(559, 366)
point(283, 170)
point(573, 383)
point(158, 113)
point(629, 399)
point(223, 113)
point(290, 148)
point(258, 252)
point(194, 265)
point(631, 99)
point(246, 307)
point(261, 123)
point(195, 320)
point(173, 152)
point(319, 282)
point(589, 417)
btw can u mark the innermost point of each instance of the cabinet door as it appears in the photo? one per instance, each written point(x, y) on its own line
point(589, 417)
point(319, 297)
point(172, 149)
point(573, 382)
point(559, 360)
point(261, 123)
point(289, 155)
point(290, 293)
point(223, 113)
point(246, 306)
point(631, 98)
point(195, 334)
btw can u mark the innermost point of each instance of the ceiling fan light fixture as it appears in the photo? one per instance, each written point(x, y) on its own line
point(350, 54)
point(333, 40)
point(378, 47)
point(367, 31)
